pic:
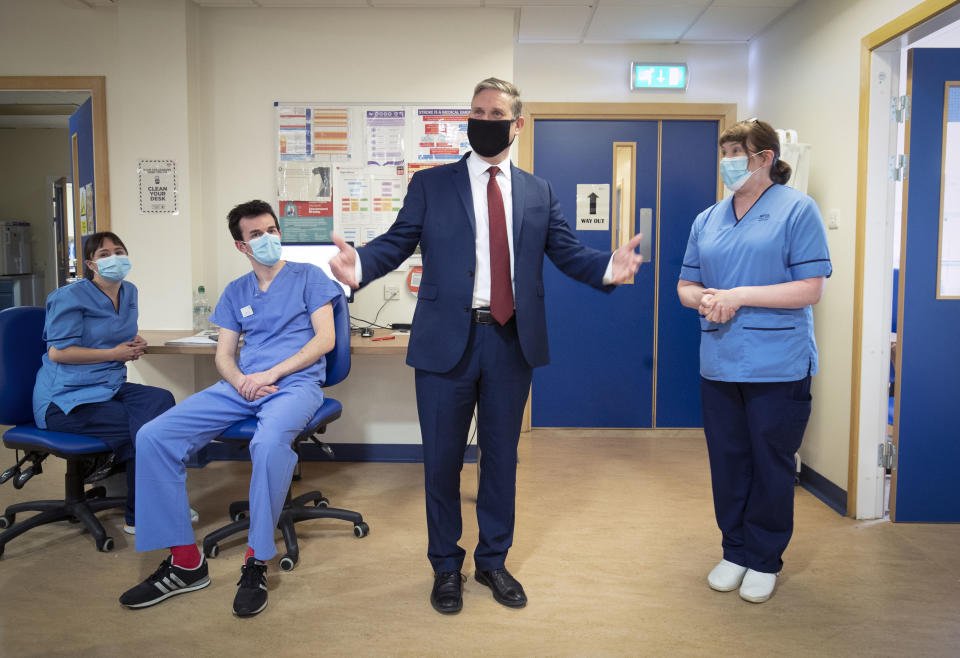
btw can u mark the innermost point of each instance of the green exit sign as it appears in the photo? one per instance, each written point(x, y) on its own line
point(658, 76)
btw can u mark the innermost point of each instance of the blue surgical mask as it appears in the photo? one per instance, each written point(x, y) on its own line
point(266, 248)
point(113, 268)
point(734, 172)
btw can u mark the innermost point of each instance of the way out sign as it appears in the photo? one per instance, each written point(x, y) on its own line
point(593, 207)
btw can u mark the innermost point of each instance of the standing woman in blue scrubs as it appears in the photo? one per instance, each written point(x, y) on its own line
point(755, 265)
point(91, 332)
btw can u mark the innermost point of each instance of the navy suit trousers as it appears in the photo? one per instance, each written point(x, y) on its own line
point(753, 431)
point(492, 376)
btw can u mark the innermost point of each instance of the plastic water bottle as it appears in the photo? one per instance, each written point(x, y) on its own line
point(201, 310)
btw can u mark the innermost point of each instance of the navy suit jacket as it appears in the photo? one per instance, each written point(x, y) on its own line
point(438, 215)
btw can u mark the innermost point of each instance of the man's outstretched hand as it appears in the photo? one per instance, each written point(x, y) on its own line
point(626, 262)
point(344, 264)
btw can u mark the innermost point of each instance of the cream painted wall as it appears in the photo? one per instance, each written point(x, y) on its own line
point(139, 46)
point(600, 72)
point(805, 74)
point(248, 59)
point(29, 157)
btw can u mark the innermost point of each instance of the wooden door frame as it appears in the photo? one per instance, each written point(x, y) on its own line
point(724, 113)
point(96, 85)
point(879, 37)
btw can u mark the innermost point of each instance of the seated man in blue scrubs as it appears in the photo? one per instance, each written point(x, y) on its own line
point(285, 313)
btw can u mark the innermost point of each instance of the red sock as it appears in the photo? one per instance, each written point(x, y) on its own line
point(248, 555)
point(186, 557)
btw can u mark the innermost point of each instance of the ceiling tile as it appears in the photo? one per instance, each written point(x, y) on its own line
point(653, 23)
point(539, 3)
point(785, 4)
point(446, 4)
point(644, 4)
point(732, 23)
point(312, 3)
point(539, 24)
point(226, 3)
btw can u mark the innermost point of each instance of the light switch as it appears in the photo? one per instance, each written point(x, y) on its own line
point(833, 219)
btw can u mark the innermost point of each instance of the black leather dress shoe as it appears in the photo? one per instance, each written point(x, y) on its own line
point(447, 594)
point(506, 589)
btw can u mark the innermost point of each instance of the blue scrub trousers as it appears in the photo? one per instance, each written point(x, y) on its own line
point(115, 422)
point(494, 377)
point(166, 442)
point(753, 430)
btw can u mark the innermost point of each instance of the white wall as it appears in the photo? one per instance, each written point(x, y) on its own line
point(139, 46)
point(29, 157)
point(805, 74)
point(248, 59)
point(600, 72)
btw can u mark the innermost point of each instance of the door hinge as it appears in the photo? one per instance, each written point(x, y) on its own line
point(900, 109)
point(887, 455)
point(897, 167)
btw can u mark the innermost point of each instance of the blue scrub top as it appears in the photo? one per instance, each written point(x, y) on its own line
point(780, 239)
point(276, 324)
point(81, 314)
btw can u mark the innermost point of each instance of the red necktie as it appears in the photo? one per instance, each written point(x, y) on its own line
point(501, 288)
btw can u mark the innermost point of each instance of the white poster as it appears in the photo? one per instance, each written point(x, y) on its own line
point(158, 186)
point(593, 207)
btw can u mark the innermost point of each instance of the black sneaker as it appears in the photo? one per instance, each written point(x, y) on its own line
point(165, 582)
point(251, 598)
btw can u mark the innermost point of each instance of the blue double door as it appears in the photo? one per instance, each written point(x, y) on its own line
point(926, 486)
point(629, 358)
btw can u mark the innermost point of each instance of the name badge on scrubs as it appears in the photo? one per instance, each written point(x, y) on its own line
point(246, 311)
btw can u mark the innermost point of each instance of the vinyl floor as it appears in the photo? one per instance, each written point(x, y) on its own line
point(615, 536)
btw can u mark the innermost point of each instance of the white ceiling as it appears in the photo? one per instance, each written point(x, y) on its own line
point(586, 21)
point(60, 105)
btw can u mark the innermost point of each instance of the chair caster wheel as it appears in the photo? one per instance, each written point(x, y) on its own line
point(6, 521)
point(106, 546)
point(321, 502)
point(288, 562)
point(361, 530)
point(239, 516)
point(213, 551)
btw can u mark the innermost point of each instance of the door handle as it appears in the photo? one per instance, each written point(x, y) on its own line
point(625, 193)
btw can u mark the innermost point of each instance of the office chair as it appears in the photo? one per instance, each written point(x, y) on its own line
point(312, 505)
point(21, 349)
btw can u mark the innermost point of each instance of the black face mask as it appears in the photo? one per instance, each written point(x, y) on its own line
point(488, 138)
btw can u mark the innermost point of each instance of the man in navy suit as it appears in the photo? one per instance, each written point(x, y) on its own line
point(479, 328)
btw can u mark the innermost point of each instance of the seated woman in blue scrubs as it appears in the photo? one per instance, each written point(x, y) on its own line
point(91, 332)
point(755, 264)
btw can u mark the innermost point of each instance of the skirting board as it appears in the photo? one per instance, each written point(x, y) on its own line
point(343, 452)
point(824, 489)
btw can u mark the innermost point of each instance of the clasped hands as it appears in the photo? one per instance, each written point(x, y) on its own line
point(256, 385)
point(719, 305)
point(130, 350)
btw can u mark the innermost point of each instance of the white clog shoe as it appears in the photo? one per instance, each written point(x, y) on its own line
point(726, 576)
point(757, 587)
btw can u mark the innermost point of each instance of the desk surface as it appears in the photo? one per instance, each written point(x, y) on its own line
point(157, 338)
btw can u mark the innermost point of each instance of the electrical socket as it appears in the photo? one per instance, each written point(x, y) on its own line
point(391, 292)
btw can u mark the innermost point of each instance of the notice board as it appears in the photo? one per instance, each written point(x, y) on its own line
point(345, 167)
